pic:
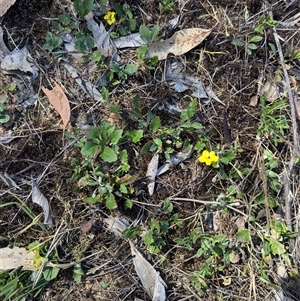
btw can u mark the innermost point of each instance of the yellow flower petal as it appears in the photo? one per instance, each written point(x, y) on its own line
point(110, 17)
point(208, 158)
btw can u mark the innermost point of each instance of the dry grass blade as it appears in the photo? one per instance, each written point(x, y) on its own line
point(60, 102)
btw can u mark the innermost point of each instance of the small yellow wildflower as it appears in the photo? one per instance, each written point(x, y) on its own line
point(110, 17)
point(209, 158)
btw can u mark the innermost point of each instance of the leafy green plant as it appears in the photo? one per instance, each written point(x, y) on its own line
point(274, 241)
point(18, 285)
point(103, 166)
point(168, 138)
point(271, 165)
point(166, 5)
point(122, 72)
point(149, 36)
point(272, 123)
point(53, 43)
point(214, 251)
point(126, 20)
point(154, 238)
point(83, 7)
point(252, 43)
point(5, 88)
point(4, 116)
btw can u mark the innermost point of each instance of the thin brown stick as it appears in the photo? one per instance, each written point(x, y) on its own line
point(286, 183)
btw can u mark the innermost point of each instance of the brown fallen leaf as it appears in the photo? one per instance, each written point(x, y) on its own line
point(60, 102)
point(12, 258)
point(181, 42)
point(5, 5)
point(253, 101)
point(86, 227)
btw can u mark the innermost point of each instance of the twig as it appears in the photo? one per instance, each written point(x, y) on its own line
point(287, 194)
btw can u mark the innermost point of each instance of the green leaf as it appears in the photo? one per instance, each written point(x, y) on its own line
point(252, 46)
point(115, 136)
point(277, 248)
point(50, 273)
point(131, 232)
point(89, 41)
point(238, 42)
point(148, 238)
point(92, 200)
point(146, 147)
point(243, 235)
point(4, 117)
point(110, 201)
point(189, 112)
point(105, 93)
point(65, 19)
point(96, 56)
point(168, 206)
point(77, 273)
point(130, 69)
point(136, 136)
point(108, 155)
point(115, 68)
point(255, 39)
point(273, 48)
point(154, 33)
point(158, 142)
point(296, 55)
point(155, 124)
point(83, 7)
point(124, 156)
point(89, 149)
point(12, 87)
point(129, 204)
point(93, 133)
point(145, 33)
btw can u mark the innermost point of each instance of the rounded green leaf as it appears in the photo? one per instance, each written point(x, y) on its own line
point(108, 155)
point(89, 149)
point(130, 69)
point(255, 39)
point(110, 201)
point(238, 42)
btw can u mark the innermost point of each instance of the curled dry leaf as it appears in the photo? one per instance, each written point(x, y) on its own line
point(60, 102)
point(5, 5)
point(149, 277)
point(38, 198)
point(18, 61)
point(152, 172)
point(9, 181)
point(132, 40)
point(175, 160)
point(181, 42)
point(12, 258)
point(116, 225)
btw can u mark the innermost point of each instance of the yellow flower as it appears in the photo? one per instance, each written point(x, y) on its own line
point(209, 158)
point(110, 17)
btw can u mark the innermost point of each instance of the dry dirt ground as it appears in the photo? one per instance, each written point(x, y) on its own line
point(41, 152)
